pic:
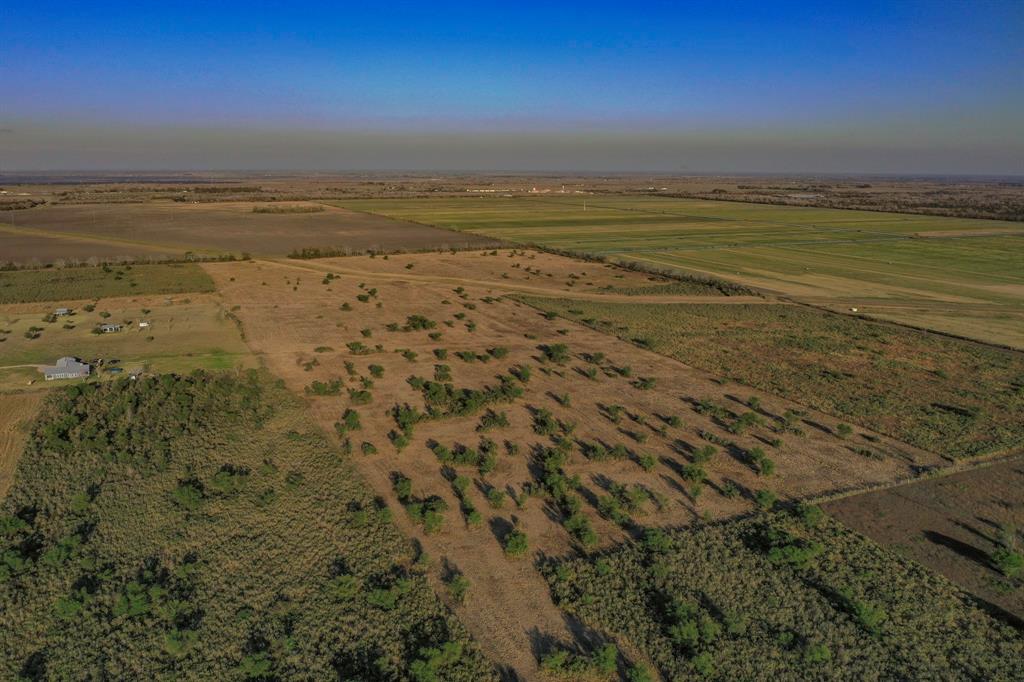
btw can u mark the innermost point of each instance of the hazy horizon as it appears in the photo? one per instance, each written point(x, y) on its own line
point(912, 88)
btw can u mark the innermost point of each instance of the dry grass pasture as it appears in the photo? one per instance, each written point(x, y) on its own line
point(299, 318)
point(948, 395)
point(890, 265)
point(77, 283)
point(186, 332)
point(215, 228)
point(16, 413)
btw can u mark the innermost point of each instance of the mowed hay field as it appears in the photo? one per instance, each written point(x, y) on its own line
point(952, 524)
point(926, 270)
point(956, 397)
point(228, 227)
point(574, 449)
point(16, 413)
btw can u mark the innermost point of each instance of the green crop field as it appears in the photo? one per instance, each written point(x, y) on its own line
point(68, 284)
point(201, 528)
point(958, 398)
point(780, 597)
point(964, 276)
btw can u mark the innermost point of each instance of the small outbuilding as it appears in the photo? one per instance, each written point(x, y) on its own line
point(110, 328)
point(61, 312)
point(143, 324)
point(67, 368)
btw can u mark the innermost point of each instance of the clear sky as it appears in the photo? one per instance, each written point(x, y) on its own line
point(823, 86)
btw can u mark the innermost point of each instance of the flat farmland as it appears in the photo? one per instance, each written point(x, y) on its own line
point(32, 248)
point(953, 396)
point(583, 449)
point(952, 525)
point(613, 225)
point(922, 270)
point(226, 227)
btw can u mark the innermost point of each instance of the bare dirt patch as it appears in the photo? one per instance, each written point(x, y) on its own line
point(300, 317)
point(952, 525)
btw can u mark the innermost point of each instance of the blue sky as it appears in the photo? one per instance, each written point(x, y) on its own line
point(856, 76)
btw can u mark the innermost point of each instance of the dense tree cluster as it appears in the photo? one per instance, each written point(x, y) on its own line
point(197, 527)
point(785, 595)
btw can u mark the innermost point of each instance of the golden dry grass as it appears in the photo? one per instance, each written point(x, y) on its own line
point(288, 312)
point(16, 413)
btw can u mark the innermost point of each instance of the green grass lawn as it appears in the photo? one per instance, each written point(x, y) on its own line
point(68, 284)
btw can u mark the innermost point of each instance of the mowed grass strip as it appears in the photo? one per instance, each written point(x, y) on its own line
point(950, 396)
point(68, 284)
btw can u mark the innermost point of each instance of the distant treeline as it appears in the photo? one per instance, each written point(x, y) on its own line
point(722, 286)
point(10, 266)
point(314, 252)
point(220, 189)
point(20, 204)
point(288, 209)
point(933, 204)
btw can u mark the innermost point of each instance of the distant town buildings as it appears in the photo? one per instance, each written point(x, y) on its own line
point(66, 368)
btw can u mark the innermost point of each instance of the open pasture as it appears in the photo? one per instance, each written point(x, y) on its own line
point(598, 440)
point(85, 283)
point(621, 224)
point(226, 227)
point(959, 398)
point(886, 264)
point(185, 333)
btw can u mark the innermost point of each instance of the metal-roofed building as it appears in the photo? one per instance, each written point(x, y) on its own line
point(66, 368)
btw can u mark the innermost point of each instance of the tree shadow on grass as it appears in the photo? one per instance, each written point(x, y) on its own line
point(958, 547)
